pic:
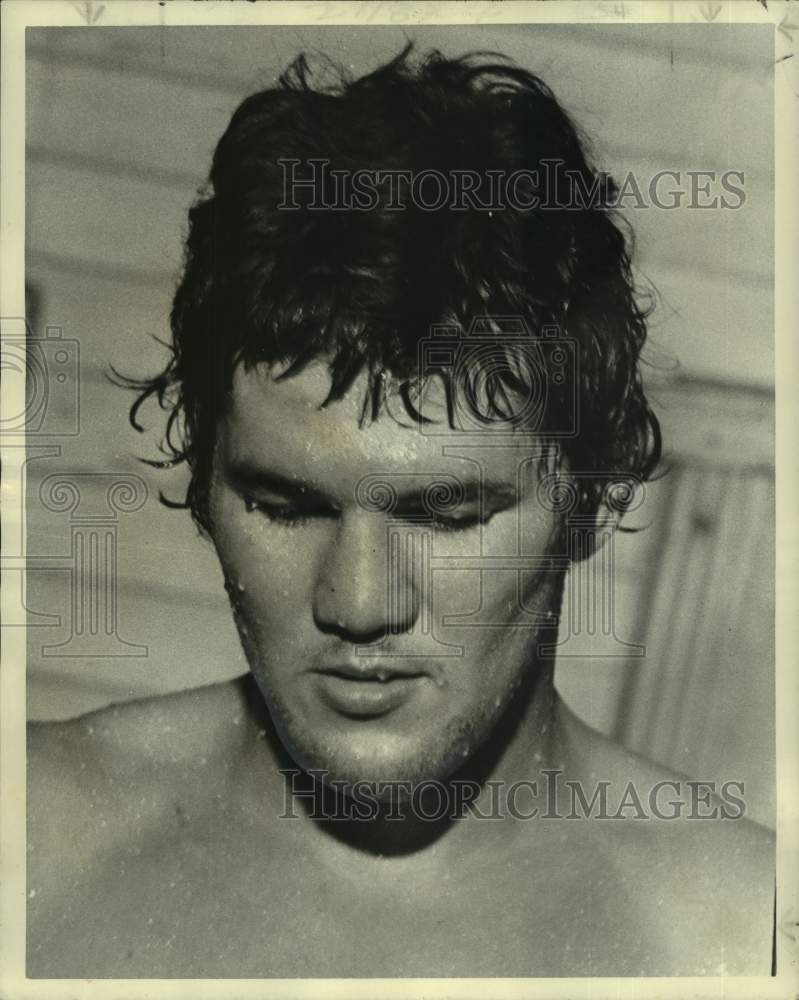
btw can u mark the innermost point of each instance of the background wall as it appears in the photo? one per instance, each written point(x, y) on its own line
point(121, 127)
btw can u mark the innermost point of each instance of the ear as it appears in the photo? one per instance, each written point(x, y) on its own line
point(603, 529)
point(588, 533)
point(587, 524)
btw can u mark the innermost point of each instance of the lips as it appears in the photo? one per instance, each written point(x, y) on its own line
point(368, 690)
point(370, 672)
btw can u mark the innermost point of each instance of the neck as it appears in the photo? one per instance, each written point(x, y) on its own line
point(525, 741)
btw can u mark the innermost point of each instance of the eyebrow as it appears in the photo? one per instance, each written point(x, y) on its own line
point(244, 474)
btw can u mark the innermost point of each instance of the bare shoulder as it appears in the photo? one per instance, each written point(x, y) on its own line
point(689, 862)
point(146, 725)
point(89, 777)
point(121, 803)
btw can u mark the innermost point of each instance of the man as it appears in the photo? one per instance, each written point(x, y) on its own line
point(405, 381)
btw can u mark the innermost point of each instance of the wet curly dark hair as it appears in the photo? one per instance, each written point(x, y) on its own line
point(360, 288)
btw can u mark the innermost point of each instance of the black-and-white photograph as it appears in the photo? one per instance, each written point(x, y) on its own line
point(396, 557)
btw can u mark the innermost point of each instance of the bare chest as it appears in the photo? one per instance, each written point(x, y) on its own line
point(239, 906)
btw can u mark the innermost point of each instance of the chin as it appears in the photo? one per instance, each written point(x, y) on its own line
point(396, 749)
point(343, 766)
point(344, 759)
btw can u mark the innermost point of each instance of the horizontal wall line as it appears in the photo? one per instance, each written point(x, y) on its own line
point(93, 163)
point(149, 589)
point(119, 273)
point(612, 39)
point(696, 269)
point(52, 56)
point(184, 180)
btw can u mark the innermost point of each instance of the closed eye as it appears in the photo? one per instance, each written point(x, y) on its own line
point(284, 513)
point(463, 523)
point(293, 515)
point(465, 519)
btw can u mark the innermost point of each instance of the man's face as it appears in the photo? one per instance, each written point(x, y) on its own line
point(317, 571)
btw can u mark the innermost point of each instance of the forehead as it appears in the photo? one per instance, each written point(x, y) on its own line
point(280, 425)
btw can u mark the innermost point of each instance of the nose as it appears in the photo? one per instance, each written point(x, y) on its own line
point(367, 585)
